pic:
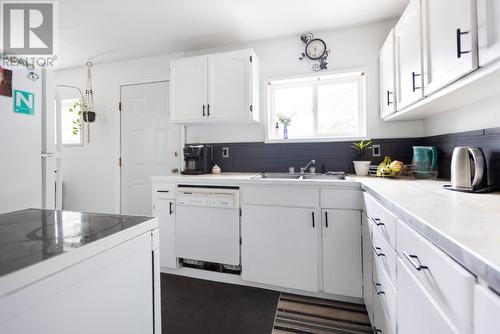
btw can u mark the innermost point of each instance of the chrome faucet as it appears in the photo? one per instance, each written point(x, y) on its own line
point(303, 169)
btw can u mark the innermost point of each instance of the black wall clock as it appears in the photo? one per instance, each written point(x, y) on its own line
point(315, 49)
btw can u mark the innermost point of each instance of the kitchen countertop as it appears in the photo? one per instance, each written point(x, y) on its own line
point(466, 226)
point(28, 237)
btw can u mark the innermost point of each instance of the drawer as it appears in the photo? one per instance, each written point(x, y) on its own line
point(385, 222)
point(384, 256)
point(450, 285)
point(486, 311)
point(417, 311)
point(281, 196)
point(349, 199)
point(162, 190)
point(384, 295)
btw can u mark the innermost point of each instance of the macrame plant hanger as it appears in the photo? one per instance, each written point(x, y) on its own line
point(89, 113)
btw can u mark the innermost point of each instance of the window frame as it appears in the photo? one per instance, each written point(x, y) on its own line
point(302, 80)
point(82, 140)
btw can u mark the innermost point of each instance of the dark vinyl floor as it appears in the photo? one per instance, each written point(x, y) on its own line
point(192, 306)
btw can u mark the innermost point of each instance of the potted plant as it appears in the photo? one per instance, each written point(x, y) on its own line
point(361, 165)
point(81, 109)
point(285, 120)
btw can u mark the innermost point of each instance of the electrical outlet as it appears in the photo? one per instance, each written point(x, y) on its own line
point(376, 150)
point(225, 152)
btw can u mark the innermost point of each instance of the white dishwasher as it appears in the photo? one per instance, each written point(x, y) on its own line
point(207, 226)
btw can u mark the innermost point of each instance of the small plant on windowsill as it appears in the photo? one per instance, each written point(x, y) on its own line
point(286, 121)
point(361, 165)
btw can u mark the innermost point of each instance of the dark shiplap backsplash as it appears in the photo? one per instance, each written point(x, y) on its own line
point(338, 156)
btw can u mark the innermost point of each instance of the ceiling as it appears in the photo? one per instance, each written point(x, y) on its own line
point(109, 30)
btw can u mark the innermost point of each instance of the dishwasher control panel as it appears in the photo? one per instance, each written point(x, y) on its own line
point(209, 197)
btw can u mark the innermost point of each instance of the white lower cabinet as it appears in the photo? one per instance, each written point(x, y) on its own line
point(366, 235)
point(164, 209)
point(417, 312)
point(342, 268)
point(486, 311)
point(280, 246)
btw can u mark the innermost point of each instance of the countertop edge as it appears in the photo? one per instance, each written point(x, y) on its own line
point(474, 263)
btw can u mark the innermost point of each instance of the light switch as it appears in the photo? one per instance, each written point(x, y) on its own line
point(376, 150)
point(225, 152)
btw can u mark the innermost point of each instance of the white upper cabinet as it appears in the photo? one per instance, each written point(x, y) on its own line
point(488, 15)
point(221, 87)
point(408, 35)
point(230, 79)
point(387, 77)
point(450, 47)
point(188, 89)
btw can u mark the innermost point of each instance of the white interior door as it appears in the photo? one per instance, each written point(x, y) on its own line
point(148, 143)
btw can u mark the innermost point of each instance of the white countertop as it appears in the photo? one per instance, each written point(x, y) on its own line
point(464, 225)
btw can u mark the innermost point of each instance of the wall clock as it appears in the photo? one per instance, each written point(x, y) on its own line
point(316, 50)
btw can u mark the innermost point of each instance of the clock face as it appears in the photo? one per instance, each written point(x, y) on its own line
point(315, 49)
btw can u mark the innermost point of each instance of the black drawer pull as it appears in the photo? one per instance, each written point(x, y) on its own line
point(377, 221)
point(170, 208)
point(413, 260)
point(163, 191)
point(376, 251)
point(376, 287)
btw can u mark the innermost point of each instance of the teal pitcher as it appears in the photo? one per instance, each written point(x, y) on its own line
point(424, 163)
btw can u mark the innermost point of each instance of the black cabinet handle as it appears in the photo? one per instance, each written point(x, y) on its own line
point(377, 221)
point(413, 76)
point(163, 191)
point(208, 109)
point(203, 110)
point(326, 219)
point(459, 43)
point(314, 224)
point(389, 93)
point(413, 260)
point(377, 250)
point(170, 208)
point(376, 288)
point(376, 330)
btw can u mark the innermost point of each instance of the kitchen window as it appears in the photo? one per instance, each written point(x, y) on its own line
point(322, 107)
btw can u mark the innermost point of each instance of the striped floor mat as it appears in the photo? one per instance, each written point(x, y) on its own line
point(305, 315)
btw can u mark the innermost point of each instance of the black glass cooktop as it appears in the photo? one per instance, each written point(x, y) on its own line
point(31, 236)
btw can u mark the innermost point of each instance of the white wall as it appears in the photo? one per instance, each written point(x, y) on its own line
point(351, 48)
point(91, 174)
point(483, 114)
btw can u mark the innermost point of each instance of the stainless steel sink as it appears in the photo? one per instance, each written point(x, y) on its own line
point(338, 176)
point(277, 176)
point(286, 176)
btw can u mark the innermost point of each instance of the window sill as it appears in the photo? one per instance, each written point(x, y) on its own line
point(315, 140)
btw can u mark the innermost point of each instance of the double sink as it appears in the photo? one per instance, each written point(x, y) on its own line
point(305, 176)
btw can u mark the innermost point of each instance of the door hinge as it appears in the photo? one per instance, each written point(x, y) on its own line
point(251, 59)
point(119, 162)
point(119, 106)
point(251, 108)
point(241, 212)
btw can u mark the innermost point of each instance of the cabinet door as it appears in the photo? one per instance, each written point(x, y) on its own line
point(367, 266)
point(417, 312)
point(230, 85)
point(164, 209)
point(488, 15)
point(486, 311)
point(450, 41)
point(387, 64)
point(342, 252)
point(408, 36)
point(280, 246)
point(188, 89)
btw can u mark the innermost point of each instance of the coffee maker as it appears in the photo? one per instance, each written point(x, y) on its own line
point(198, 159)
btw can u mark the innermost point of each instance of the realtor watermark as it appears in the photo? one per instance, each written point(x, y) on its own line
point(28, 33)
